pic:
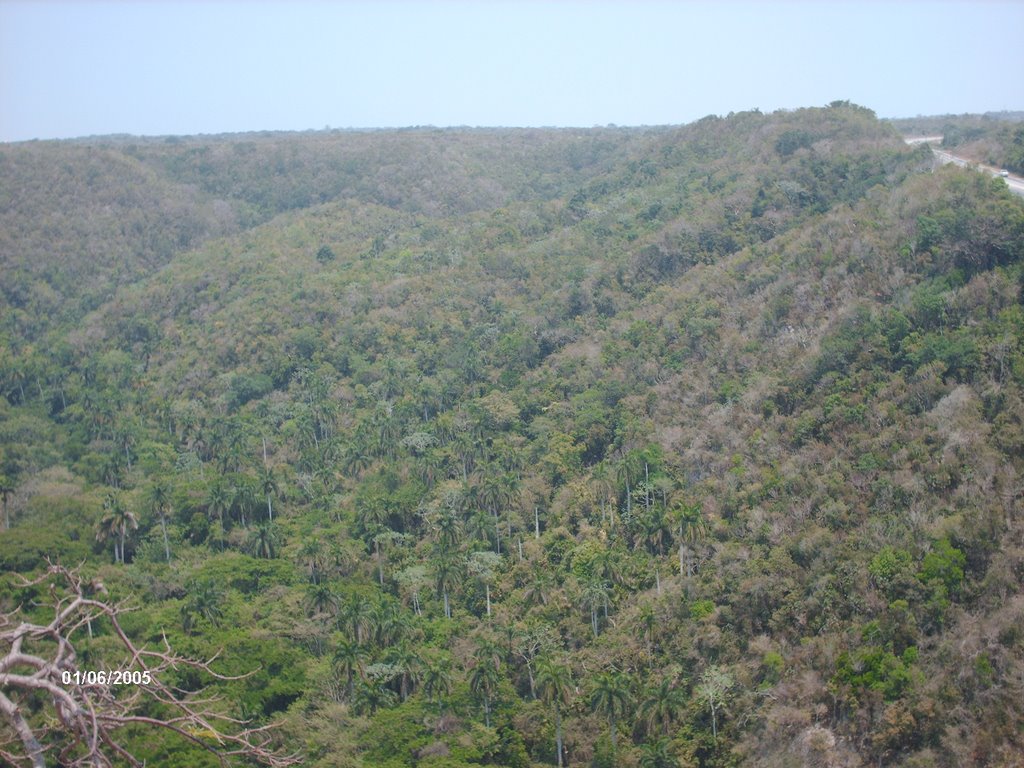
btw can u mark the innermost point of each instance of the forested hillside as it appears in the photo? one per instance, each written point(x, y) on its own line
point(690, 446)
point(995, 139)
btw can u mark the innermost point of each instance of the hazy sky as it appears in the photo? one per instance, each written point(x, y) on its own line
point(81, 68)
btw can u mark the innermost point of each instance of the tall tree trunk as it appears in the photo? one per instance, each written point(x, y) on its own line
point(647, 490)
point(558, 735)
point(167, 546)
point(380, 564)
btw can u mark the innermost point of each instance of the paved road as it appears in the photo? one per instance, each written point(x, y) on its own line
point(1014, 182)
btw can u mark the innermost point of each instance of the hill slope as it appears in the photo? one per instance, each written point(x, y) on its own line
point(704, 443)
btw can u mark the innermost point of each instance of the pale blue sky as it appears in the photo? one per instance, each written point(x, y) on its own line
point(157, 68)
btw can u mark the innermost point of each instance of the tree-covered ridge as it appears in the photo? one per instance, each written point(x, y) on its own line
point(709, 455)
point(81, 218)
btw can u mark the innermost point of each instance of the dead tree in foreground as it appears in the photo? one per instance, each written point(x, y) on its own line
point(54, 707)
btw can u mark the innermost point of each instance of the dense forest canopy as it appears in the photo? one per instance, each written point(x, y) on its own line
point(678, 446)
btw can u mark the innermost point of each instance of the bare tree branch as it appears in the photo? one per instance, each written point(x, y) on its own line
point(39, 662)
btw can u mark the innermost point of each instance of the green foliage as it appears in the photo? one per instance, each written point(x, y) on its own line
point(54, 528)
point(890, 567)
point(701, 608)
point(245, 388)
point(877, 669)
point(248, 575)
point(943, 564)
point(470, 443)
point(790, 141)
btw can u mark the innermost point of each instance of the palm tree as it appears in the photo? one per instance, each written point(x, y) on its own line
point(656, 530)
point(437, 682)
point(510, 496)
point(484, 565)
point(554, 683)
point(263, 541)
point(159, 501)
point(204, 601)
point(662, 705)
point(349, 660)
point(371, 516)
point(312, 555)
point(113, 469)
point(126, 437)
point(692, 530)
point(537, 590)
point(386, 429)
point(483, 681)
point(447, 577)
point(479, 526)
point(488, 648)
point(243, 498)
point(6, 489)
point(601, 478)
point(494, 493)
point(594, 596)
point(371, 696)
point(320, 598)
point(610, 697)
point(647, 620)
point(115, 524)
point(626, 471)
point(655, 754)
point(387, 622)
point(356, 617)
point(409, 666)
point(268, 485)
point(218, 500)
point(355, 459)
point(609, 566)
point(232, 448)
point(447, 530)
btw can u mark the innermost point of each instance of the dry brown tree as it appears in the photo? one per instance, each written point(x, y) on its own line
point(55, 710)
